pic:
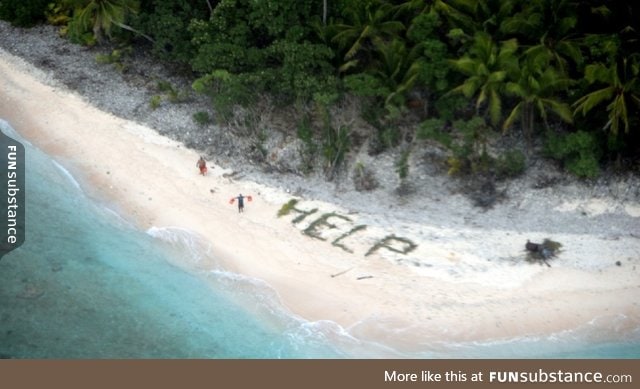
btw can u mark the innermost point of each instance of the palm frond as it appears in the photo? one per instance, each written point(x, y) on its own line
point(618, 113)
point(563, 110)
point(465, 65)
point(495, 107)
point(513, 117)
point(598, 73)
point(587, 102)
point(513, 88)
point(497, 76)
point(348, 65)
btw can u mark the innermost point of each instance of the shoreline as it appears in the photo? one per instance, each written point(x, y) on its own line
point(408, 301)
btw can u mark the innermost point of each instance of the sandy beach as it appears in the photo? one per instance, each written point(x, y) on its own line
point(456, 284)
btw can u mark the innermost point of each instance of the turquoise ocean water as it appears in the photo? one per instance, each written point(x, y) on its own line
point(88, 284)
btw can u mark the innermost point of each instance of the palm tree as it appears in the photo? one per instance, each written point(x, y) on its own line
point(549, 26)
point(102, 15)
point(371, 24)
point(537, 88)
point(479, 15)
point(399, 69)
point(486, 66)
point(448, 9)
point(621, 85)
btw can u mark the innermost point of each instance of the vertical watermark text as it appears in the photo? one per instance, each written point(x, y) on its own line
point(12, 205)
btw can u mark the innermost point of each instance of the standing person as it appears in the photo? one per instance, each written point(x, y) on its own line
point(240, 199)
point(202, 165)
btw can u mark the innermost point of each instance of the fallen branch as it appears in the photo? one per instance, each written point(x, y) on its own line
point(340, 273)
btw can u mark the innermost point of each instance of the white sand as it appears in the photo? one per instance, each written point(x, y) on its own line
point(457, 285)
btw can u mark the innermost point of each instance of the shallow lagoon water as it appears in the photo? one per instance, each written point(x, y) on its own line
point(88, 284)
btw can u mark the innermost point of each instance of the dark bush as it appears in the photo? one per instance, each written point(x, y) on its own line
point(23, 13)
point(167, 21)
point(579, 152)
point(510, 164)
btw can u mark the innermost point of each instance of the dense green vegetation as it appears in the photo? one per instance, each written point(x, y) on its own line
point(558, 72)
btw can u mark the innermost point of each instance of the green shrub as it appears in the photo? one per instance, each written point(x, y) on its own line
point(466, 139)
point(23, 13)
point(402, 165)
point(164, 86)
point(510, 164)
point(450, 106)
point(265, 47)
point(434, 129)
point(155, 102)
point(226, 91)
point(202, 118)
point(79, 36)
point(104, 59)
point(114, 58)
point(167, 21)
point(59, 14)
point(172, 94)
point(309, 150)
point(176, 96)
point(366, 85)
point(335, 147)
point(585, 166)
point(389, 136)
point(578, 151)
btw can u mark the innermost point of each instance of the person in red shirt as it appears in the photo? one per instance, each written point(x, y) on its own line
point(202, 165)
